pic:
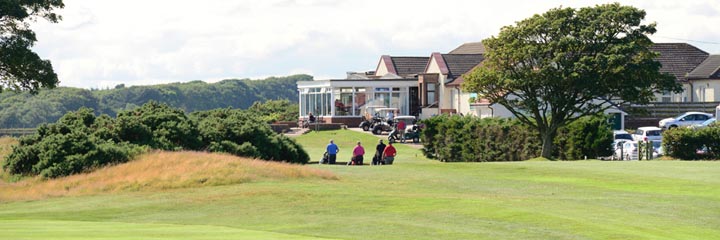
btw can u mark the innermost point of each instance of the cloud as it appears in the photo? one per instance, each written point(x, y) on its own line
point(145, 42)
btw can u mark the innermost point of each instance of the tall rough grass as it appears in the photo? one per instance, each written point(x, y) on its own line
point(6, 144)
point(160, 171)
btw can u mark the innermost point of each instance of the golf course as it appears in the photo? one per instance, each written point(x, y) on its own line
point(191, 195)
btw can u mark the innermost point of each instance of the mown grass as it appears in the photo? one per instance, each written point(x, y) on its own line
point(414, 199)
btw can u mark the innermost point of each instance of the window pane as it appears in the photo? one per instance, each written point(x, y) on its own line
point(382, 99)
point(343, 104)
point(359, 102)
point(327, 104)
point(395, 101)
point(303, 107)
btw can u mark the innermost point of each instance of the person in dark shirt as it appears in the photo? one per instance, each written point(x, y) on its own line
point(378, 153)
point(311, 118)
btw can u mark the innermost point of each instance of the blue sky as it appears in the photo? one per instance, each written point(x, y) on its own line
point(104, 43)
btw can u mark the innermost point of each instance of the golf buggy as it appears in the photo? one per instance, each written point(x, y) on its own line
point(412, 131)
point(370, 117)
point(384, 125)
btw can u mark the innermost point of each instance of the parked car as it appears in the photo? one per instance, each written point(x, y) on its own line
point(703, 124)
point(657, 149)
point(687, 119)
point(621, 134)
point(627, 149)
point(647, 133)
point(617, 144)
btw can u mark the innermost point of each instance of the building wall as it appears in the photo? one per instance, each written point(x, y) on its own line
point(443, 92)
point(706, 90)
point(689, 96)
point(382, 69)
point(464, 100)
point(428, 113)
point(493, 110)
point(444, 101)
point(461, 101)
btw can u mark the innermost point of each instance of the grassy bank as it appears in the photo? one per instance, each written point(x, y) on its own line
point(414, 199)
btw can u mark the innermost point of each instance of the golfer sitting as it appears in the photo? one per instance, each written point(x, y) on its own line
point(389, 153)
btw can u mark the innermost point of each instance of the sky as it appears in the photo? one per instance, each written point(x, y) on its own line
point(100, 44)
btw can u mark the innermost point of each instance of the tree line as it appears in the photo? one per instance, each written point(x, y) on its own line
point(25, 110)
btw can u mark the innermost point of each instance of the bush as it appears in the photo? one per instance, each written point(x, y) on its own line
point(79, 141)
point(471, 139)
point(684, 143)
point(429, 135)
point(244, 133)
point(67, 147)
point(589, 137)
point(158, 126)
point(276, 110)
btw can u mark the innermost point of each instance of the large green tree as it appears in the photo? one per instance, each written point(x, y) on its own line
point(553, 68)
point(20, 67)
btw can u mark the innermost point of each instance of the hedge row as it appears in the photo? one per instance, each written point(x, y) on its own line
point(588, 137)
point(692, 144)
point(80, 141)
point(471, 139)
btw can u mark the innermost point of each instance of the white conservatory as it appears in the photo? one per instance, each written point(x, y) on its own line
point(343, 100)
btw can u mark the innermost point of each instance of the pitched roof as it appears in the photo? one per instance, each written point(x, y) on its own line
point(388, 63)
point(679, 59)
point(461, 79)
point(406, 66)
point(459, 64)
point(708, 69)
point(440, 63)
point(469, 48)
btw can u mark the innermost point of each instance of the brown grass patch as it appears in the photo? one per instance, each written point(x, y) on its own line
point(6, 144)
point(160, 171)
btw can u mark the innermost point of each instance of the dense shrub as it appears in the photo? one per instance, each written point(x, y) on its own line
point(244, 133)
point(158, 126)
point(589, 137)
point(471, 139)
point(691, 144)
point(67, 147)
point(79, 141)
point(276, 110)
point(430, 135)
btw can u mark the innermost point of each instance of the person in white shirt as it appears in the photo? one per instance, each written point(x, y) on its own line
point(390, 116)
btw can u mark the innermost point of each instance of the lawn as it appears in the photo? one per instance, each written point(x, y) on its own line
point(416, 198)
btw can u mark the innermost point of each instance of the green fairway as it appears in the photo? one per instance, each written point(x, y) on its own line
point(416, 198)
point(112, 230)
